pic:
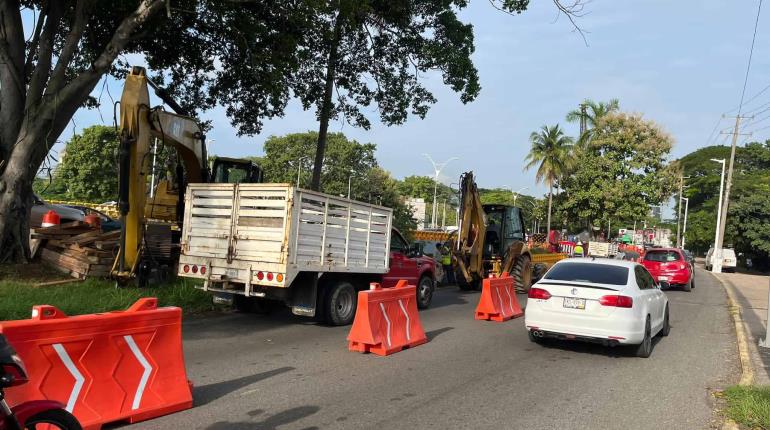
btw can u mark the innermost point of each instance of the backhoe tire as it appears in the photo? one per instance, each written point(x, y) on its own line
point(522, 273)
point(340, 303)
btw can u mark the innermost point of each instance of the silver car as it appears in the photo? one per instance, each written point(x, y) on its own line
point(40, 208)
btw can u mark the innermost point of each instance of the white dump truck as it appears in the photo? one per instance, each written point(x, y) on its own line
point(312, 251)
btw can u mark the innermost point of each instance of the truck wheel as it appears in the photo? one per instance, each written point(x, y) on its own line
point(424, 292)
point(522, 273)
point(340, 303)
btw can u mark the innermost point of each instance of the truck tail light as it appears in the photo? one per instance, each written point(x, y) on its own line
point(279, 277)
point(186, 268)
point(269, 276)
point(260, 275)
point(195, 269)
point(538, 293)
point(203, 270)
point(616, 301)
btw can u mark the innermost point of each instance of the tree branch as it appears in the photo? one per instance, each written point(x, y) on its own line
point(43, 67)
point(70, 46)
point(572, 11)
point(34, 42)
point(65, 102)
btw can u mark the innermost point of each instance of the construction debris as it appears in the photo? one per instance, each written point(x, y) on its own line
point(77, 249)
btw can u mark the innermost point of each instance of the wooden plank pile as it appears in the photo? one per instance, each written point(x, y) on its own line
point(77, 249)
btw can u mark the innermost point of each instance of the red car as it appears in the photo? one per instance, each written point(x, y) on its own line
point(669, 267)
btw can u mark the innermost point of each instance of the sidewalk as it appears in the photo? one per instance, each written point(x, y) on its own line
point(751, 294)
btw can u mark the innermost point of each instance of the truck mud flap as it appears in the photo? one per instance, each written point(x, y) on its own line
point(305, 294)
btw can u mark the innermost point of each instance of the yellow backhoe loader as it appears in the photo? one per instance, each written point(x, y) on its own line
point(150, 225)
point(490, 240)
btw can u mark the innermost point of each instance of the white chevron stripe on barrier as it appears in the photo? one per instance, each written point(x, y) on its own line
point(145, 375)
point(79, 379)
point(408, 336)
point(387, 321)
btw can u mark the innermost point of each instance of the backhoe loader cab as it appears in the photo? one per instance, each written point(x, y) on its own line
point(505, 226)
point(235, 171)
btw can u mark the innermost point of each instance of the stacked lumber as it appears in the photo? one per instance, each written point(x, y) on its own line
point(77, 249)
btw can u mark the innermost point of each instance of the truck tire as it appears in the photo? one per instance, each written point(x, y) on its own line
point(522, 273)
point(340, 303)
point(424, 292)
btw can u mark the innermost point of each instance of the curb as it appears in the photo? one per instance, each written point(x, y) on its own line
point(747, 371)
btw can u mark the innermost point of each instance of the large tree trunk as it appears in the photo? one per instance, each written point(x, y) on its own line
point(36, 103)
point(326, 106)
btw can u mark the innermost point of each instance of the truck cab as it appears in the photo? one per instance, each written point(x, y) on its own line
point(408, 262)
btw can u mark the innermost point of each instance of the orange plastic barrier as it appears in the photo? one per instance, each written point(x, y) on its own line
point(116, 366)
point(386, 320)
point(498, 300)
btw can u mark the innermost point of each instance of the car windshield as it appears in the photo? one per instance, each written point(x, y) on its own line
point(594, 273)
point(662, 256)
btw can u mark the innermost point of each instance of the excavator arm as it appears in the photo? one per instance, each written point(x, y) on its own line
point(468, 249)
point(139, 124)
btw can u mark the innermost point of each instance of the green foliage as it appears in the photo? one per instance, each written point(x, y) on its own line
point(17, 296)
point(345, 159)
point(550, 152)
point(749, 199)
point(284, 154)
point(749, 406)
point(620, 173)
point(87, 170)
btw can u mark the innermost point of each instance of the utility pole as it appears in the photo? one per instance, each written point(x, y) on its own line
point(582, 119)
point(684, 227)
point(719, 212)
point(726, 202)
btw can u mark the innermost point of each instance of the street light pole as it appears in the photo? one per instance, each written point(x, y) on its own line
point(716, 267)
point(299, 168)
point(437, 167)
point(684, 227)
point(516, 194)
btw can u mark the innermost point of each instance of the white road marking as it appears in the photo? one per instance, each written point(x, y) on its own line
point(145, 375)
point(79, 379)
point(387, 321)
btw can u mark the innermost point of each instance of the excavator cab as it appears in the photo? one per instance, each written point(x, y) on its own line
point(235, 171)
point(505, 225)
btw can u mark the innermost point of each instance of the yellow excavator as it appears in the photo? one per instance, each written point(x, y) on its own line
point(490, 240)
point(149, 225)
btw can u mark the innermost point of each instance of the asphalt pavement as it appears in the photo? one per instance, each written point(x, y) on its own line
point(285, 372)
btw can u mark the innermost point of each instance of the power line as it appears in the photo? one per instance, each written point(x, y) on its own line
point(751, 54)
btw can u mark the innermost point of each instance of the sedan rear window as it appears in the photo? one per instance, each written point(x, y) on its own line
point(662, 256)
point(594, 273)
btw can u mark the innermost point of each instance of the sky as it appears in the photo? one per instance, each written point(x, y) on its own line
point(680, 63)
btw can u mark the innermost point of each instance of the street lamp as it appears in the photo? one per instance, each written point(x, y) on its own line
point(716, 267)
point(684, 227)
point(350, 181)
point(299, 168)
point(437, 169)
point(516, 194)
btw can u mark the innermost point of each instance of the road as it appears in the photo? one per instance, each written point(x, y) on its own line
point(280, 371)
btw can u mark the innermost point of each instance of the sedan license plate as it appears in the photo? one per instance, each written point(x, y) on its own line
point(573, 303)
point(232, 273)
point(662, 278)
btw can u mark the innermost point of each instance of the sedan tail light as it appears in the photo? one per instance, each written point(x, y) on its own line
point(538, 293)
point(616, 301)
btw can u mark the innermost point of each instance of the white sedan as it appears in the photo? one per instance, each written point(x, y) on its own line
point(598, 300)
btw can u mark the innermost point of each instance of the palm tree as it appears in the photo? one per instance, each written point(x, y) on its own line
point(550, 152)
point(593, 112)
